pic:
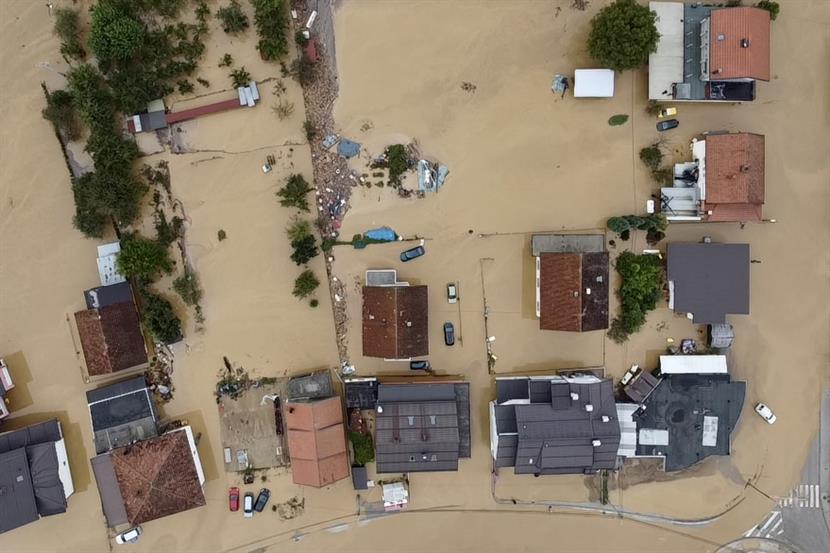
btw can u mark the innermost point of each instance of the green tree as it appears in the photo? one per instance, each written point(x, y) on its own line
point(187, 287)
point(271, 20)
point(240, 77)
point(143, 258)
point(622, 35)
point(60, 111)
point(305, 249)
point(233, 18)
point(772, 7)
point(160, 319)
point(306, 284)
point(294, 192)
point(67, 27)
point(398, 161)
point(115, 33)
point(652, 156)
point(640, 288)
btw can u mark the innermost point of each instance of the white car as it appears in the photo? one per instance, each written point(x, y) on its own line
point(766, 413)
point(128, 536)
point(248, 505)
point(452, 293)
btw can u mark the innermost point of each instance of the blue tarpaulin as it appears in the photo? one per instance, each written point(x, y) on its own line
point(347, 148)
point(385, 234)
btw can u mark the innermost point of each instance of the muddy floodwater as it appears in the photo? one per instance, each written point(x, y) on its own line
point(469, 83)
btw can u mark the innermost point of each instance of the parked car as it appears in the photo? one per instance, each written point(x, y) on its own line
point(233, 499)
point(248, 505)
point(449, 334)
point(452, 293)
point(128, 536)
point(422, 365)
point(412, 253)
point(766, 413)
point(667, 124)
point(629, 374)
point(666, 112)
point(262, 499)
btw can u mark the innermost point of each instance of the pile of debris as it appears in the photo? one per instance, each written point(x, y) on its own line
point(159, 375)
point(292, 508)
point(232, 381)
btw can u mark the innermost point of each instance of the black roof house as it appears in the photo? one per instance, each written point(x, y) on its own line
point(30, 483)
point(422, 426)
point(122, 413)
point(555, 424)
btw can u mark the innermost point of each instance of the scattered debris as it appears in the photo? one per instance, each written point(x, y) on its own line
point(468, 87)
point(580, 5)
point(292, 508)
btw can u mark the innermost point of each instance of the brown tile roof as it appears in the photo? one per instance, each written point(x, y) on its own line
point(111, 338)
point(564, 281)
point(395, 321)
point(728, 59)
point(734, 176)
point(157, 477)
point(316, 442)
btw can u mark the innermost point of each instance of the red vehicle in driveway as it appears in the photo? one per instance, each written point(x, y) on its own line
point(233, 499)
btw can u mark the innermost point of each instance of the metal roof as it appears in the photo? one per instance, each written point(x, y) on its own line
point(103, 296)
point(122, 413)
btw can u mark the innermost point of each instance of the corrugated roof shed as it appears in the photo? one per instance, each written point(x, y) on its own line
point(739, 44)
point(395, 321)
point(316, 442)
point(111, 338)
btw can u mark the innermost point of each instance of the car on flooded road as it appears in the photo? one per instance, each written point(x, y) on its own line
point(412, 253)
point(449, 334)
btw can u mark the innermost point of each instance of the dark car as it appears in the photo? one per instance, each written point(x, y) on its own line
point(411, 254)
point(667, 124)
point(262, 499)
point(449, 334)
point(419, 365)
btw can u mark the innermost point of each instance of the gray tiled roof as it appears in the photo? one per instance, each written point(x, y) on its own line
point(121, 413)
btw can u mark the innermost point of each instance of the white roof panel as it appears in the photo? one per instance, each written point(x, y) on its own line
point(593, 83)
point(693, 364)
point(654, 436)
point(710, 431)
point(665, 66)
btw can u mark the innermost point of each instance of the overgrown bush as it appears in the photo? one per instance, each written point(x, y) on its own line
point(313, 303)
point(115, 34)
point(271, 20)
point(398, 162)
point(67, 27)
point(652, 156)
point(160, 319)
point(143, 258)
point(185, 86)
point(305, 249)
point(226, 61)
point(641, 287)
point(654, 224)
point(294, 192)
point(622, 35)
point(663, 175)
point(772, 7)
point(60, 111)
point(364, 448)
point(305, 285)
point(303, 70)
point(187, 287)
point(240, 77)
point(233, 18)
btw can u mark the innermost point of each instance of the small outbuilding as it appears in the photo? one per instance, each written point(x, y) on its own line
point(593, 83)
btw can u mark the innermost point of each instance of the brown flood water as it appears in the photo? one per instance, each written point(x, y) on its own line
point(521, 161)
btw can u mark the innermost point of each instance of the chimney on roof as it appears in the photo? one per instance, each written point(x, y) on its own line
point(576, 293)
point(574, 396)
point(744, 43)
point(589, 407)
point(408, 323)
point(596, 443)
point(716, 71)
point(371, 317)
point(745, 168)
point(606, 418)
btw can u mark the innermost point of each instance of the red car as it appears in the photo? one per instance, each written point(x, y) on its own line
point(233, 499)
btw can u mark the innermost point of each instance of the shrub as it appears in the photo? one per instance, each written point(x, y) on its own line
point(187, 287)
point(652, 156)
point(143, 258)
point(271, 20)
point(303, 70)
point(663, 175)
point(204, 82)
point(652, 108)
point(305, 284)
point(283, 109)
point(166, 233)
point(293, 193)
point(67, 29)
point(221, 235)
point(653, 223)
point(622, 35)
point(240, 77)
point(310, 130)
point(641, 286)
point(398, 162)
point(160, 319)
point(772, 7)
point(305, 249)
point(185, 86)
point(226, 61)
point(313, 303)
point(114, 35)
point(619, 119)
point(298, 229)
point(60, 111)
point(232, 17)
point(364, 449)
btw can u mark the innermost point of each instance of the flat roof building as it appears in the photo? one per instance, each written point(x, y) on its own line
point(555, 424)
point(395, 321)
point(316, 441)
point(122, 413)
point(35, 478)
point(708, 281)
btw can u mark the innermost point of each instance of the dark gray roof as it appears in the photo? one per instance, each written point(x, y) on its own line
point(108, 489)
point(122, 413)
point(29, 475)
point(361, 394)
point(316, 385)
point(640, 388)
point(679, 404)
point(422, 427)
point(108, 295)
point(153, 121)
point(360, 478)
point(710, 280)
point(554, 433)
point(566, 243)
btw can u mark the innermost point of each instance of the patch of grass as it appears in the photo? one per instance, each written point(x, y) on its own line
point(619, 119)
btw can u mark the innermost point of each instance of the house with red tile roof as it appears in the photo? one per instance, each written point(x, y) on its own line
point(316, 441)
point(111, 338)
point(395, 321)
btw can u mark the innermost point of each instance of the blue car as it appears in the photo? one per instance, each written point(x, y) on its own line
point(667, 124)
point(449, 334)
point(419, 365)
point(411, 254)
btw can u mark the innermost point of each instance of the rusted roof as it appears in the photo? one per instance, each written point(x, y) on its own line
point(564, 283)
point(395, 321)
point(157, 477)
point(739, 44)
point(316, 441)
point(111, 338)
point(734, 176)
point(193, 113)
